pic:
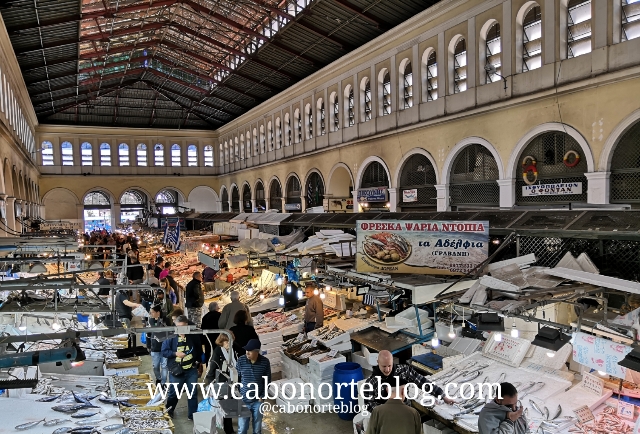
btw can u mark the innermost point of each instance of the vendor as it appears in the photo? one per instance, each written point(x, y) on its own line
point(386, 373)
point(501, 416)
point(124, 306)
point(313, 311)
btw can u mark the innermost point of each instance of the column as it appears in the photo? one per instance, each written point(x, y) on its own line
point(599, 187)
point(416, 65)
point(549, 29)
point(284, 200)
point(11, 213)
point(442, 193)
point(3, 229)
point(18, 214)
point(230, 203)
point(115, 215)
point(253, 205)
point(507, 192)
point(472, 53)
point(393, 199)
point(356, 204)
point(267, 199)
point(442, 57)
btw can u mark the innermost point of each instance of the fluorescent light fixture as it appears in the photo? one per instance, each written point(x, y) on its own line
point(281, 301)
point(514, 330)
point(299, 294)
point(288, 289)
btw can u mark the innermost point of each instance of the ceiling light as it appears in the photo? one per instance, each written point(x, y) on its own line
point(261, 296)
point(514, 330)
point(299, 294)
point(279, 281)
point(316, 292)
point(550, 338)
point(56, 325)
point(322, 296)
point(452, 332)
point(497, 337)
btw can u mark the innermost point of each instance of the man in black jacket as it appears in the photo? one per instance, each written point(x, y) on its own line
point(158, 267)
point(155, 347)
point(185, 350)
point(210, 322)
point(135, 270)
point(194, 299)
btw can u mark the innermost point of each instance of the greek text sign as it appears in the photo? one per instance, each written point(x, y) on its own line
point(425, 247)
point(410, 195)
point(552, 189)
point(374, 194)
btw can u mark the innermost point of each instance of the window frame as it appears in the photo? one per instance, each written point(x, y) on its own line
point(127, 159)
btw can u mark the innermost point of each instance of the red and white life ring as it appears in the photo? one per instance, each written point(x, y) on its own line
point(529, 168)
point(576, 159)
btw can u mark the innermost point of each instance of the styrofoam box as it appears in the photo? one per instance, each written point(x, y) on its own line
point(297, 382)
point(121, 371)
point(269, 337)
point(255, 233)
point(344, 346)
point(304, 372)
point(344, 337)
point(233, 229)
point(244, 234)
point(323, 369)
point(392, 323)
point(409, 318)
point(359, 358)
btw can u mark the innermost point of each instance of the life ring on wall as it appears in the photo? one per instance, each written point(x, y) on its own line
point(531, 167)
point(576, 160)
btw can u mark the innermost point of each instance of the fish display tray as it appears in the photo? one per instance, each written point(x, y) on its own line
point(141, 396)
point(172, 427)
point(129, 364)
point(293, 349)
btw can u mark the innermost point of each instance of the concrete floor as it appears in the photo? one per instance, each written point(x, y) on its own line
point(274, 423)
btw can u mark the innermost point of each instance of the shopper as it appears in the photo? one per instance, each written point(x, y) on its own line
point(102, 281)
point(165, 271)
point(220, 364)
point(164, 284)
point(151, 279)
point(210, 322)
point(253, 368)
point(194, 298)
point(313, 311)
point(242, 331)
point(229, 311)
point(123, 306)
point(158, 267)
point(394, 417)
point(208, 276)
point(135, 270)
point(164, 304)
point(501, 416)
point(156, 319)
point(386, 372)
point(185, 352)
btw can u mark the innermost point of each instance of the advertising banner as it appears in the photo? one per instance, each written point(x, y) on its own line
point(339, 204)
point(292, 206)
point(422, 247)
point(552, 189)
point(410, 195)
point(374, 194)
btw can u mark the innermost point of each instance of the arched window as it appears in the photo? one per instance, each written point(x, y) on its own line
point(366, 98)
point(578, 28)
point(97, 211)
point(123, 154)
point(288, 132)
point(97, 198)
point(262, 140)
point(236, 150)
point(133, 205)
point(532, 39)
point(167, 201)
point(321, 121)
point(141, 154)
point(493, 53)
point(255, 142)
point(235, 199)
point(47, 153)
point(221, 155)
point(158, 154)
point(375, 175)
point(418, 174)
point(298, 124)
point(314, 193)
point(630, 15)
point(224, 199)
point(261, 204)
point(66, 149)
point(192, 156)
point(176, 158)
point(548, 150)
point(208, 156)
point(246, 199)
point(386, 94)
point(242, 152)
point(460, 66)
point(270, 145)
point(473, 178)
point(294, 190)
point(335, 103)
point(407, 86)
point(279, 133)
point(432, 77)
point(625, 168)
point(309, 117)
point(86, 154)
point(105, 154)
point(351, 111)
point(275, 195)
point(226, 152)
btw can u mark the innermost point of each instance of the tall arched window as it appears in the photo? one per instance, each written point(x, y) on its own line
point(386, 94)
point(208, 156)
point(298, 124)
point(309, 117)
point(630, 15)
point(407, 86)
point(105, 154)
point(192, 156)
point(375, 175)
point(287, 130)
point(246, 199)
point(335, 103)
point(133, 204)
point(432, 77)
point(493, 53)
point(261, 204)
point(255, 142)
point(418, 173)
point(270, 145)
point(176, 158)
point(235, 199)
point(314, 191)
point(578, 28)
point(226, 152)
point(321, 121)
point(275, 195)
point(86, 154)
point(294, 190)
point(262, 140)
point(221, 154)
point(236, 150)
point(473, 178)
point(141, 154)
point(366, 98)
point(158, 154)
point(242, 148)
point(279, 133)
point(123, 154)
point(167, 201)
point(625, 168)
point(460, 66)
point(532, 39)
point(66, 149)
point(224, 200)
point(97, 211)
point(47, 153)
point(248, 144)
point(351, 110)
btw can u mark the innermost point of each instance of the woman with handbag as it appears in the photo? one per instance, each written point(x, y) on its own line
point(183, 353)
point(220, 364)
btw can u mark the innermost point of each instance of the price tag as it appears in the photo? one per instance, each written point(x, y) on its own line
point(593, 383)
point(625, 410)
point(333, 353)
point(314, 343)
point(583, 414)
point(300, 337)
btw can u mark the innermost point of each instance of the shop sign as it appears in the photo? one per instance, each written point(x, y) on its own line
point(292, 206)
point(374, 194)
point(422, 247)
point(410, 195)
point(172, 221)
point(340, 204)
point(558, 189)
point(47, 226)
point(600, 354)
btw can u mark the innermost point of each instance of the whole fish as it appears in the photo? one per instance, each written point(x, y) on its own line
point(535, 407)
point(28, 425)
point(84, 414)
point(79, 399)
point(471, 376)
point(113, 401)
point(124, 431)
point(525, 388)
point(62, 430)
point(127, 404)
point(46, 321)
point(563, 419)
point(54, 422)
point(66, 408)
point(48, 398)
point(113, 427)
point(502, 377)
point(556, 413)
point(83, 430)
point(89, 422)
point(548, 424)
point(546, 413)
point(533, 389)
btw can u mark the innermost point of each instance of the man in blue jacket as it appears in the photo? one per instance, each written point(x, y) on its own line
point(253, 368)
point(187, 351)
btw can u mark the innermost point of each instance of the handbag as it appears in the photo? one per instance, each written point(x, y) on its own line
point(175, 367)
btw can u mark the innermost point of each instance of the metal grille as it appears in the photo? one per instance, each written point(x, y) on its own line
point(275, 196)
point(625, 167)
point(235, 200)
point(269, 229)
point(473, 181)
point(352, 116)
point(246, 198)
point(336, 113)
point(315, 190)
point(477, 193)
point(432, 77)
point(375, 176)
point(494, 50)
point(225, 200)
point(418, 173)
point(546, 220)
point(608, 221)
point(322, 120)
point(460, 67)
point(96, 198)
point(549, 149)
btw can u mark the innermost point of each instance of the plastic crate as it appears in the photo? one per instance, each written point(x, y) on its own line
point(409, 318)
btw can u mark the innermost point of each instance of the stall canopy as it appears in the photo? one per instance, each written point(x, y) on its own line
point(269, 218)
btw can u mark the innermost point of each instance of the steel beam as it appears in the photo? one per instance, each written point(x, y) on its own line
point(56, 62)
point(105, 13)
point(16, 30)
point(23, 51)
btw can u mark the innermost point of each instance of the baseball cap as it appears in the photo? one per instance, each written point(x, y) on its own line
point(253, 344)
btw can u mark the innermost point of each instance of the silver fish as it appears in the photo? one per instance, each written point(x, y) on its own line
point(548, 424)
point(471, 376)
point(533, 389)
point(502, 377)
point(28, 425)
point(535, 407)
point(546, 413)
point(46, 322)
point(526, 413)
point(62, 430)
point(89, 422)
point(124, 431)
point(113, 427)
point(557, 413)
point(54, 422)
point(48, 398)
point(84, 414)
point(517, 384)
point(522, 391)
